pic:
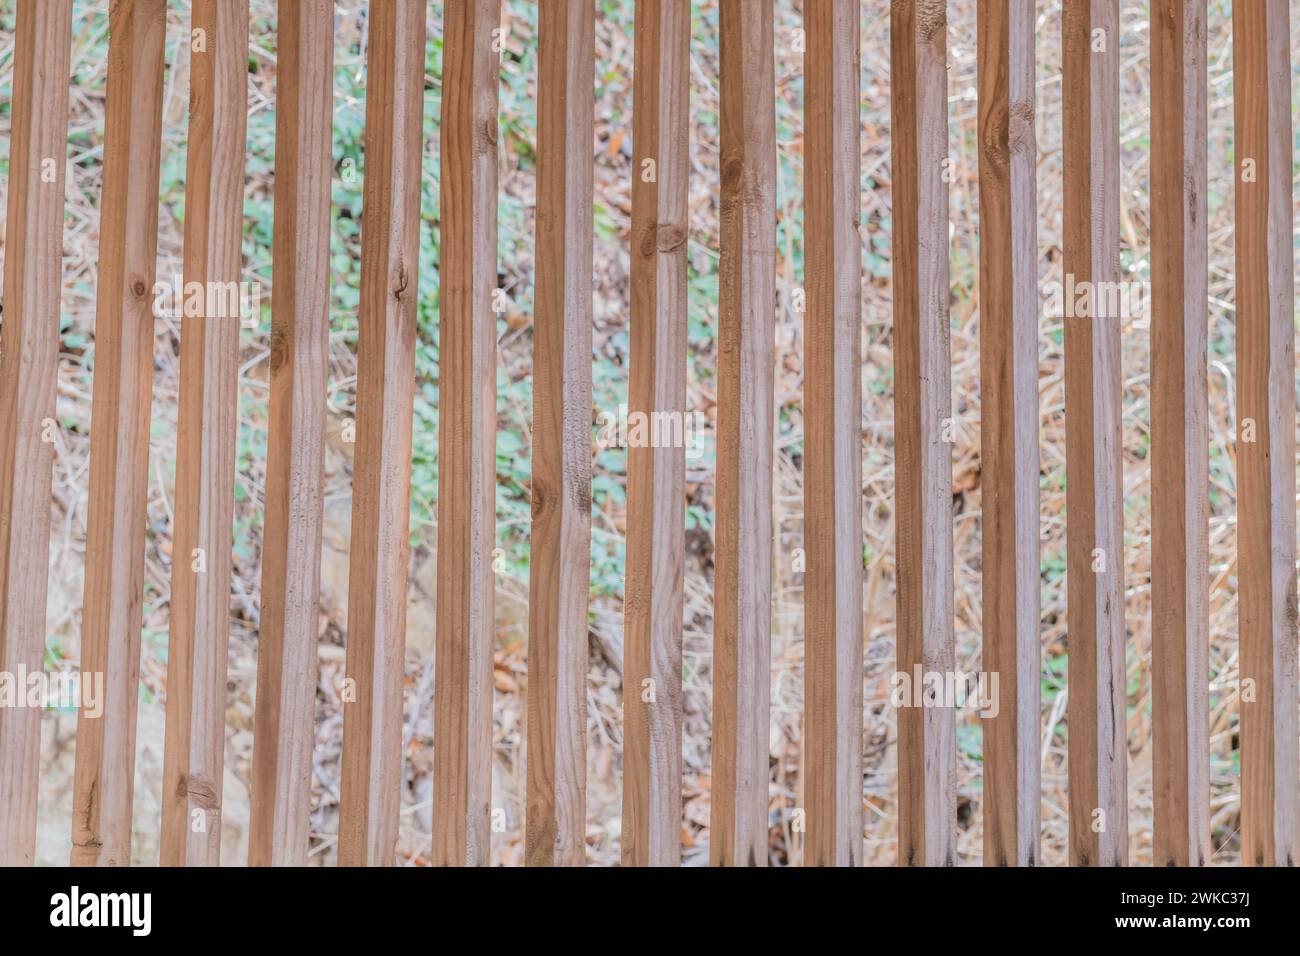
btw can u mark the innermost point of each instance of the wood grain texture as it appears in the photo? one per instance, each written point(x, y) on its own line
point(832, 438)
point(656, 493)
point(1008, 303)
point(284, 729)
point(742, 551)
point(927, 744)
point(1266, 480)
point(1180, 515)
point(466, 635)
point(29, 369)
point(1094, 466)
point(560, 550)
point(119, 443)
point(381, 477)
point(206, 430)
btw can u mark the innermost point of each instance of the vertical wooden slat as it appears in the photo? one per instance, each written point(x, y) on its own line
point(29, 366)
point(390, 245)
point(1094, 466)
point(119, 444)
point(207, 426)
point(1266, 482)
point(653, 601)
point(832, 437)
point(927, 749)
point(560, 557)
point(742, 554)
point(1180, 627)
point(462, 726)
point(299, 363)
point(1008, 304)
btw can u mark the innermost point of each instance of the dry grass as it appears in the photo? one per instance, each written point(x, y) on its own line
point(614, 57)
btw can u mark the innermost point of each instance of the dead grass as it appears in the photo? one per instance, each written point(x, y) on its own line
point(614, 58)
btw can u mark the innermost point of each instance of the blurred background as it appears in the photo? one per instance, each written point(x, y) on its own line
point(613, 151)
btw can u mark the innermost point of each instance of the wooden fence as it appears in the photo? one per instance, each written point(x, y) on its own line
point(562, 431)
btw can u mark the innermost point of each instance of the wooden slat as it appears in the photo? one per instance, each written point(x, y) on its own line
point(1008, 303)
point(653, 600)
point(299, 363)
point(742, 554)
point(560, 557)
point(1266, 482)
point(832, 438)
point(462, 723)
point(119, 444)
point(29, 366)
point(1094, 480)
point(927, 749)
point(1180, 516)
point(381, 482)
point(207, 426)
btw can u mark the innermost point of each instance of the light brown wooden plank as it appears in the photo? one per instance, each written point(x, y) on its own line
point(206, 429)
point(1008, 303)
point(119, 444)
point(1094, 466)
point(462, 723)
point(1180, 514)
point(381, 478)
point(560, 558)
point(653, 600)
point(742, 553)
point(286, 656)
point(1266, 482)
point(832, 437)
point(927, 748)
point(29, 368)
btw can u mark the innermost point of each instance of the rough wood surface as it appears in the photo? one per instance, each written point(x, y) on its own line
point(29, 368)
point(206, 430)
point(927, 742)
point(742, 551)
point(381, 477)
point(1180, 515)
point(560, 550)
point(466, 635)
point(119, 443)
point(656, 493)
point(284, 730)
point(832, 781)
point(1266, 412)
point(1008, 303)
point(1098, 749)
